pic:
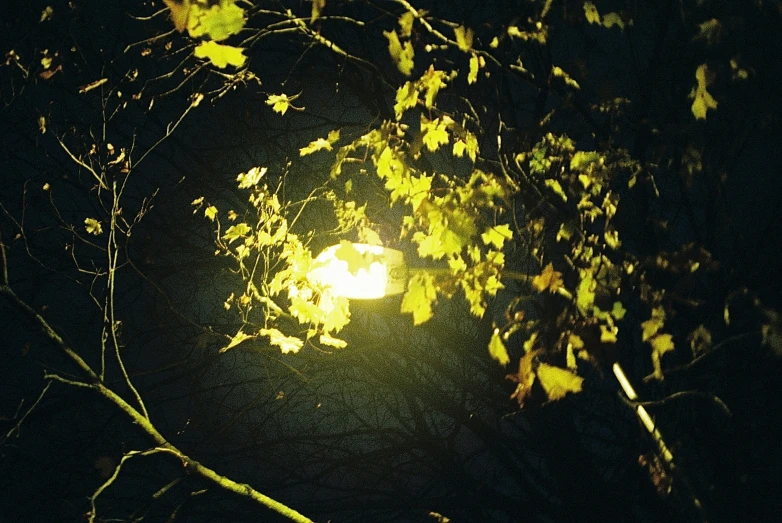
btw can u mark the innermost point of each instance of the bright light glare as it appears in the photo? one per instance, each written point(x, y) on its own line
point(376, 282)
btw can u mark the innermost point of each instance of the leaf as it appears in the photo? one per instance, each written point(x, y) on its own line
point(525, 378)
point(285, 343)
point(420, 296)
point(234, 232)
point(401, 54)
point(356, 261)
point(651, 326)
point(251, 177)
point(238, 338)
point(497, 349)
point(662, 343)
point(702, 99)
point(556, 187)
point(220, 55)
point(210, 212)
point(320, 144)
point(317, 7)
point(497, 235)
point(463, 37)
point(279, 102)
point(179, 13)
point(93, 226)
point(406, 24)
point(613, 19)
point(472, 75)
point(548, 280)
point(435, 132)
point(406, 98)
point(218, 22)
point(337, 343)
point(591, 14)
point(558, 382)
point(46, 14)
point(560, 73)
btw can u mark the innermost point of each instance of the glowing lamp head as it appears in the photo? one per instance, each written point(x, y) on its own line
point(360, 271)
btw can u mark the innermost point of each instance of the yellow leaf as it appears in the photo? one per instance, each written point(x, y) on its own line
point(285, 343)
point(238, 338)
point(317, 7)
point(497, 348)
point(590, 11)
point(463, 37)
point(179, 13)
point(702, 99)
point(560, 73)
point(251, 177)
point(93, 226)
point(497, 235)
point(655, 323)
point(556, 187)
point(434, 133)
point(279, 102)
point(548, 280)
point(220, 55)
point(234, 232)
point(402, 54)
point(662, 343)
point(320, 144)
point(472, 76)
point(210, 212)
point(406, 98)
point(356, 261)
point(613, 19)
point(420, 296)
point(406, 24)
point(337, 343)
point(557, 382)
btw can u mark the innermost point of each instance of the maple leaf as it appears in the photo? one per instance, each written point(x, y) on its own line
point(238, 338)
point(220, 55)
point(497, 348)
point(356, 261)
point(251, 177)
point(285, 343)
point(210, 212)
point(234, 232)
point(320, 144)
point(93, 226)
point(421, 294)
point(402, 54)
point(557, 382)
point(337, 343)
point(549, 279)
point(497, 235)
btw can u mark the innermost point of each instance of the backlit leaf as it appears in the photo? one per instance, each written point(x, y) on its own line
point(548, 280)
point(210, 212)
point(279, 102)
point(591, 14)
point(238, 338)
point(463, 37)
point(330, 341)
point(220, 55)
point(402, 54)
point(472, 75)
point(557, 382)
point(234, 232)
point(421, 294)
point(285, 343)
point(702, 99)
point(497, 235)
point(93, 226)
point(497, 349)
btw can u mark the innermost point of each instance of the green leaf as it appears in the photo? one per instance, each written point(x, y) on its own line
point(702, 99)
point(218, 22)
point(220, 55)
point(558, 382)
point(421, 294)
point(402, 54)
point(497, 349)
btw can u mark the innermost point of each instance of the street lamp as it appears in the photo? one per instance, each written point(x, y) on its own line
point(360, 271)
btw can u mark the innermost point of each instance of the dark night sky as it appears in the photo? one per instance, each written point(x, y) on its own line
point(405, 421)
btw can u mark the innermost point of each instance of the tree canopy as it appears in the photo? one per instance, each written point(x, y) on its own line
point(585, 196)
